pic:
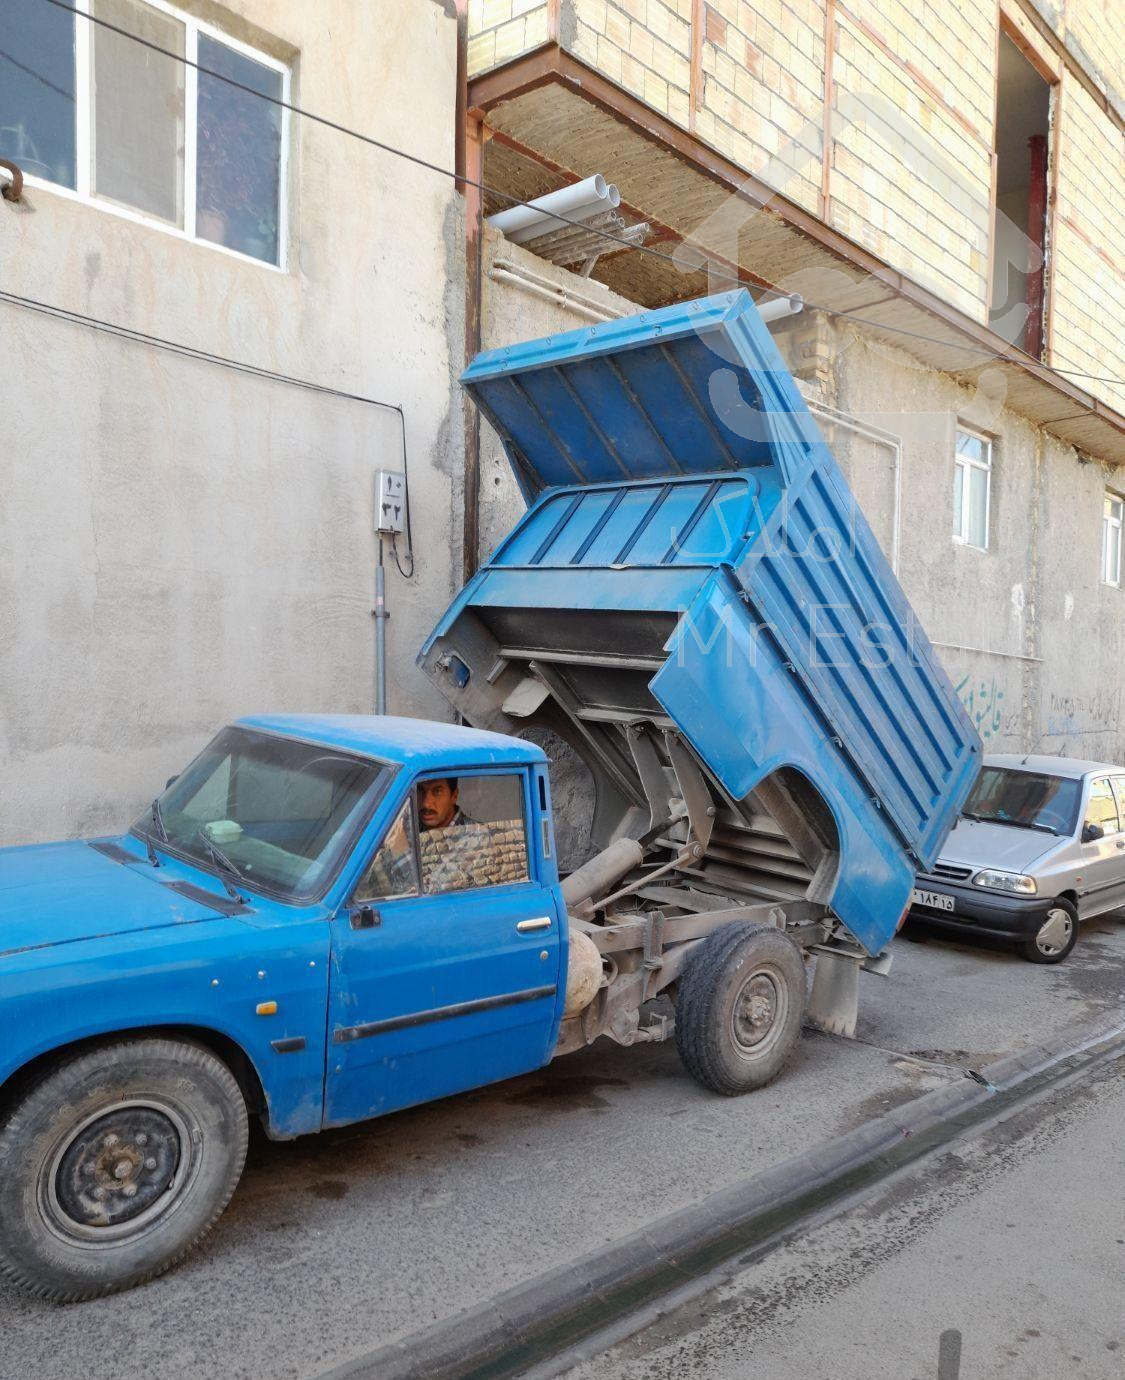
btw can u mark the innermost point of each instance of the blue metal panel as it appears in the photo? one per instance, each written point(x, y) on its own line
point(727, 685)
point(696, 479)
point(650, 395)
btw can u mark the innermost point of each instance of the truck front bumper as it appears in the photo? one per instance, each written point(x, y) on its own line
point(980, 911)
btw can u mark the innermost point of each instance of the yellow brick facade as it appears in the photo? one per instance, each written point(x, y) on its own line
point(1088, 257)
point(750, 78)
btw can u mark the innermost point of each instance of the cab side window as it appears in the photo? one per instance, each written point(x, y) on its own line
point(1119, 792)
point(1101, 809)
point(393, 871)
point(476, 838)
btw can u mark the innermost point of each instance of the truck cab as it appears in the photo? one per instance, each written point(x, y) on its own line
point(321, 919)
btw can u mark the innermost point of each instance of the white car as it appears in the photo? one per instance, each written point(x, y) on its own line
point(1039, 846)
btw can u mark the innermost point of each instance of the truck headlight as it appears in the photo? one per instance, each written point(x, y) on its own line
point(1006, 881)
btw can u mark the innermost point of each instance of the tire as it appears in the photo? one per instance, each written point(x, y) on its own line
point(1057, 935)
point(728, 1040)
point(163, 1118)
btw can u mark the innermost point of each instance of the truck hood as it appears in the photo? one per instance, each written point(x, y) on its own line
point(978, 843)
point(56, 893)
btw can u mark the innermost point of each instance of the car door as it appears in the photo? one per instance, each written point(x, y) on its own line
point(1100, 883)
point(446, 971)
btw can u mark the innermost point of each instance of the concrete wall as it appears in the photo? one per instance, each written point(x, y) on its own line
point(1030, 636)
point(179, 543)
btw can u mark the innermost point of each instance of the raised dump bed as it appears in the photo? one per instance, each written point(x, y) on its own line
point(693, 583)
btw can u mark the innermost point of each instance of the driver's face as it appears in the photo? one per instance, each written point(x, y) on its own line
point(437, 803)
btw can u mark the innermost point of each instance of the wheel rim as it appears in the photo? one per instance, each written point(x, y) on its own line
point(119, 1172)
point(1055, 933)
point(758, 1013)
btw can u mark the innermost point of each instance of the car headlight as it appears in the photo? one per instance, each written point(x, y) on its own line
point(1006, 881)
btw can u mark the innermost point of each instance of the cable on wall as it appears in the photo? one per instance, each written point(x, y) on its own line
point(418, 161)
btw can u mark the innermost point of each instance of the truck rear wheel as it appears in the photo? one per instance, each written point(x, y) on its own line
point(116, 1164)
point(740, 1007)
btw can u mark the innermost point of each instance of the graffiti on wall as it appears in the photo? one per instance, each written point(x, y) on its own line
point(983, 700)
point(1071, 716)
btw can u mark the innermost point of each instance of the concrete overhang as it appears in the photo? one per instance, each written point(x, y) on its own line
point(550, 119)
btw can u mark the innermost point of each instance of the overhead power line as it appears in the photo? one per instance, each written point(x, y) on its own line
point(713, 270)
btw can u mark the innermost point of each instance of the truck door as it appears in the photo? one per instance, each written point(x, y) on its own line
point(446, 971)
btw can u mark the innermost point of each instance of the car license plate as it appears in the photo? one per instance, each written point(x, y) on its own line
point(934, 899)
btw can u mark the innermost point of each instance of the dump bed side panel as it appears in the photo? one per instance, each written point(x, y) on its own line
point(729, 688)
point(818, 581)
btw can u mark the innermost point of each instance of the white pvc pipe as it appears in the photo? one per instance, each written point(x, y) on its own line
point(577, 202)
point(777, 307)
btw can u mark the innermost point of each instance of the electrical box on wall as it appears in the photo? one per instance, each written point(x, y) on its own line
point(390, 501)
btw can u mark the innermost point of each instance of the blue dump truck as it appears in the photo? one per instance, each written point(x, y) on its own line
point(324, 919)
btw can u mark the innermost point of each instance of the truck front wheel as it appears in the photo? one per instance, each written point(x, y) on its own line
point(740, 1006)
point(116, 1163)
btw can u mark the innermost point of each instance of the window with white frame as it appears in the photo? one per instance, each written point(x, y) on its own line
point(97, 110)
point(972, 482)
point(1111, 539)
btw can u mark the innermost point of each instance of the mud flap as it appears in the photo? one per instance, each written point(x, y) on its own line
point(834, 1001)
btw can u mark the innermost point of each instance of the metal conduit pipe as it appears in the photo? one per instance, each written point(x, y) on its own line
point(503, 270)
point(846, 422)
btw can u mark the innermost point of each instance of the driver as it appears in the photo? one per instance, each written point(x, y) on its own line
point(437, 804)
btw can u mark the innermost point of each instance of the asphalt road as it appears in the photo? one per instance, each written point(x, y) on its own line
point(338, 1243)
point(1001, 1259)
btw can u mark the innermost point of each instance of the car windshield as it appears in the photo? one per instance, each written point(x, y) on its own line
point(1026, 799)
point(265, 811)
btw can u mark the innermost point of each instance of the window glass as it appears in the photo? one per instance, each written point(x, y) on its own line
point(1111, 540)
point(471, 832)
point(281, 812)
point(977, 528)
point(37, 101)
point(1119, 792)
point(139, 109)
point(1025, 799)
point(238, 181)
point(1102, 808)
point(971, 478)
point(393, 871)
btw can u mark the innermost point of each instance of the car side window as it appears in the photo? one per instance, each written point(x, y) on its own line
point(1101, 808)
point(1119, 792)
point(393, 871)
point(472, 832)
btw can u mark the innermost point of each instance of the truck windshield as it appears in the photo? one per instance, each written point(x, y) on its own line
point(278, 811)
point(1026, 799)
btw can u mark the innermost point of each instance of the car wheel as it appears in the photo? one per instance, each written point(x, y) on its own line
point(116, 1163)
point(1057, 935)
point(740, 1007)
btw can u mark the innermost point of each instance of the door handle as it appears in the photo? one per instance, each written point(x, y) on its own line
point(541, 922)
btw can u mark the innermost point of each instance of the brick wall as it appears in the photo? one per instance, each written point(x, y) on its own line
point(503, 29)
point(643, 45)
point(1088, 259)
point(920, 202)
point(915, 190)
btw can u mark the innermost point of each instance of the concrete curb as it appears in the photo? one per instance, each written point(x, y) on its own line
point(523, 1327)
